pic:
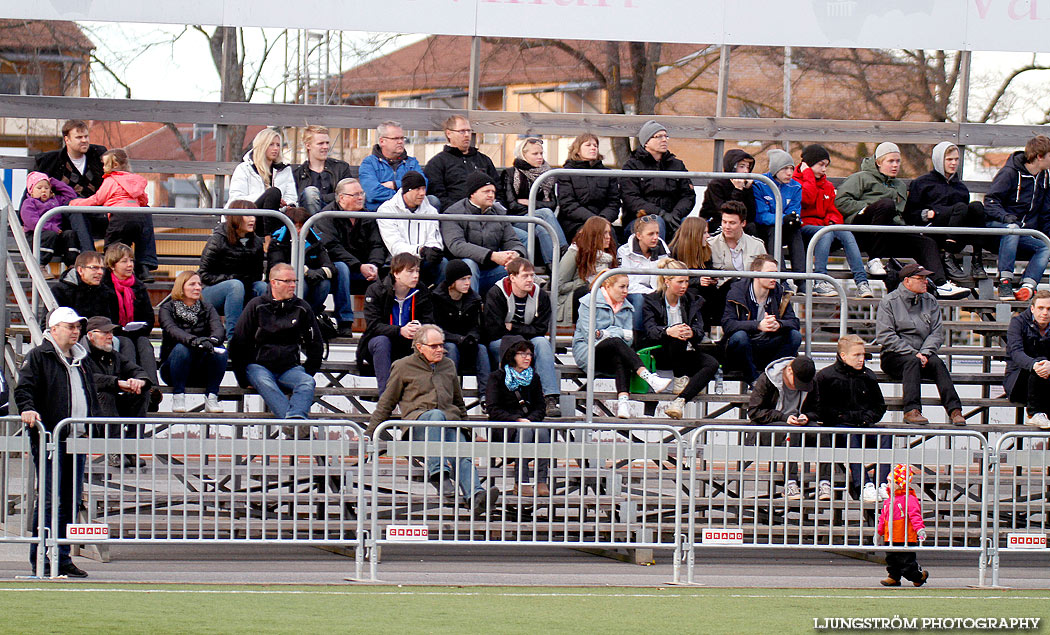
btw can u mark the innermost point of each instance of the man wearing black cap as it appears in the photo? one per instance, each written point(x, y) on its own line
point(777, 400)
point(122, 386)
point(417, 237)
point(486, 247)
point(908, 328)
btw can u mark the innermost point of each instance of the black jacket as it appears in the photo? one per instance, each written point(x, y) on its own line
point(933, 191)
point(43, 386)
point(511, 195)
point(580, 197)
point(671, 199)
point(316, 256)
point(142, 307)
point(87, 300)
point(107, 368)
point(353, 241)
point(654, 321)
point(447, 174)
point(175, 331)
point(272, 333)
point(493, 318)
point(458, 319)
point(845, 396)
point(379, 303)
point(221, 261)
point(1024, 347)
point(507, 405)
point(57, 164)
point(337, 171)
point(1017, 196)
point(742, 311)
point(720, 191)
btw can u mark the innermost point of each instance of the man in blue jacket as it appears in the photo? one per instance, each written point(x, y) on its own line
point(381, 171)
point(1027, 377)
point(1019, 197)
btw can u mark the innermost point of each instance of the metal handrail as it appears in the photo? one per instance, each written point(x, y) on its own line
point(485, 218)
point(657, 174)
point(78, 209)
point(900, 229)
point(712, 273)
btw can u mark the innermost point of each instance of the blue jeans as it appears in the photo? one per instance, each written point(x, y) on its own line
point(271, 388)
point(385, 351)
point(637, 301)
point(1010, 246)
point(542, 237)
point(310, 199)
point(481, 280)
point(344, 307)
point(753, 354)
point(466, 473)
point(229, 297)
point(316, 294)
point(629, 229)
point(542, 362)
point(858, 471)
point(184, 362)
point(822, 251)
point(482, 368)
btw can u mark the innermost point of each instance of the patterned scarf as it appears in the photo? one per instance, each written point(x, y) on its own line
point(186, 314)
point(515, 379)
point(523, 169)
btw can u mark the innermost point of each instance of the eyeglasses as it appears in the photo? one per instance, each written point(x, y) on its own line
point(353, 194)
point(434, 347)
point(525, 353)
point(463, 131)
point(661, 136)
point(394, 138)
point(283, 280)
point(94, 267)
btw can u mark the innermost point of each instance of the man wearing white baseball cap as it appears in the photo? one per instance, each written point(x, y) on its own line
point(55, 384)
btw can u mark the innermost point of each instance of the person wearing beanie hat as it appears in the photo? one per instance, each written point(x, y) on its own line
point(876, 196)
point(382, 173)
point(901, 524)
point(42, 195)
point(417, 237)
point(457, 310)
point(448, 170)
point(939, 198)
point(781, 169)
point(476, 181)
point(412, 181)
point(670, 200)
point(818, 210)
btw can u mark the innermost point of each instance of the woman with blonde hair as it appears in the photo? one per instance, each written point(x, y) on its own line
point(592, 251)
point(190, 349)
point(529, 164)
point(583, 197)
point(264, 179)
point(672, 319)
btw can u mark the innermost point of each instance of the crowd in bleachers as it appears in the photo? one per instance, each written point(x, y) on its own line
point(474, 280)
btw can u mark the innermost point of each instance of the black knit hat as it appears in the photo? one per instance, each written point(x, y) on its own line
point(476, 181)
point(455, 270)
point(814, 154)
point(412, 180)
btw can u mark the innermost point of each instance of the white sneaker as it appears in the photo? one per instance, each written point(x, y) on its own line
point(679, 384)
point(789, 285)
point(623, 409)
point(1039, 420)
point(658, 383)
point(824, 288)
point(178, 402)
point(884, 492)
point(674, 409)
point(951, 291)
point(211, 403)
point(792, 492)
point(824, 491)
point(869, 494)
point(875, 268)
point(864, 290)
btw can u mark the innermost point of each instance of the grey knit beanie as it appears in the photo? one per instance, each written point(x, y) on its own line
point(778, 160)
point(885, 148)
point(649, 129)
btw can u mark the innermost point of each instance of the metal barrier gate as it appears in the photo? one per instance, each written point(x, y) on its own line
point(610, 485)
point(1020, 494)
point(217, 481)
point(19, 478)
point(737, 497)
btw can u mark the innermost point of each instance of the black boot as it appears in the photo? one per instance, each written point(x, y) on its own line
point(977, 271)
point(952, 269)
point(143, 273)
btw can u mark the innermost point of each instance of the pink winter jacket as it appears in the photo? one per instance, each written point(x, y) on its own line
point(119, 189)
point(906, 517)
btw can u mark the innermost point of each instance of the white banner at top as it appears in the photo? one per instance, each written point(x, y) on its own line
point(977, 25)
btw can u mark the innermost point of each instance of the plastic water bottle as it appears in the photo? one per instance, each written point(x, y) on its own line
point(719, 383)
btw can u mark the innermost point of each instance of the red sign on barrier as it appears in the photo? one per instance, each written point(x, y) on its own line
point(88, 531)
point(407, 533)
point(710, 536)
point(1026, 541)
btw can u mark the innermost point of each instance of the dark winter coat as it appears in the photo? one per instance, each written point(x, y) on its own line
point(1017, 196)
point(87, 300)
point(176, 331)
point(580, 197)
point(845, 396)
point(654, 321)
point(1024, 347)
point(379, 303)
point(458, 319)
point(447, 173)
point(337, 171)
point(477, 239)
point(221, 261)
point(670, 199)
point(742, 311)
point(933, 191)
point(352, 241)
point(720, 191)
point(107, 368)
point(511, 195)
point(43, 385)
point(507, 405)
point(57, 164)
point(494, 317)
point(273, 333)
point(142, 306)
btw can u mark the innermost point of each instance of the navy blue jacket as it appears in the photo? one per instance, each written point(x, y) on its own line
point(742, 311)
point(1017, 196)
point(1024, 347)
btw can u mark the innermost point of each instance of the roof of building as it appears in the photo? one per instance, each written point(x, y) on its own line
point(442, 61)
point(46, 35)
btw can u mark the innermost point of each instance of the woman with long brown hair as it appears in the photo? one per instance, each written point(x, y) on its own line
point(690, 247)
point(592, 251)
point(232, 265)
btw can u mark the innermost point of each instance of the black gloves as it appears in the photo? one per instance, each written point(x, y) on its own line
point(314, 276)
point(205, 344)
point(431, 255)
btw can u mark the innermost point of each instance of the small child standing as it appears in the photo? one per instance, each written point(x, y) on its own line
point(42, 195)
point(900, 523)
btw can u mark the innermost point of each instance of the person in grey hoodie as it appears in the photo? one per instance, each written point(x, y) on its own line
point(908, 328)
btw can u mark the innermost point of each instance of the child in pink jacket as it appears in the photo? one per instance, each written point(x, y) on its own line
point(900, 523)
point(42, 195)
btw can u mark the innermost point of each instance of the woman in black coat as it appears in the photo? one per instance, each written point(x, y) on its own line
point(582, 197)
point(192, 335)
point(671, 318)
point(515, 395)
point(319, 267)
point(134, 310)
point(232, 266)
point(457, 310)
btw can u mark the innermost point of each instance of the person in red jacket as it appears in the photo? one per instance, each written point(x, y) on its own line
point(818, 210)
point(121, 188)
point(901, 524)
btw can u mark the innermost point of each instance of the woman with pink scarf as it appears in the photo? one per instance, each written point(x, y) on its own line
point(134, 310)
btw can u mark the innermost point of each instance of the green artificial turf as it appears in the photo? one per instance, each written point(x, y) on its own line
point(66, 607)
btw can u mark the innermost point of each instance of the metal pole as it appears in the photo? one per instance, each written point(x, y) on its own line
point(475, 73)
point(964, 102)
point(721, 102)
point(787, 90)
point(5, 226)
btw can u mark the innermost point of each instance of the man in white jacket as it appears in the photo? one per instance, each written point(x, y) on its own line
point(418, 237)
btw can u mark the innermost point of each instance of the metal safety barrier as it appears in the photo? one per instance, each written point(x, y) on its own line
point(610, 486)
point(1020, 495)
point(737, 492)
point(713, 273)
point(900, 229)
point(215, 481)
point(20, 473)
